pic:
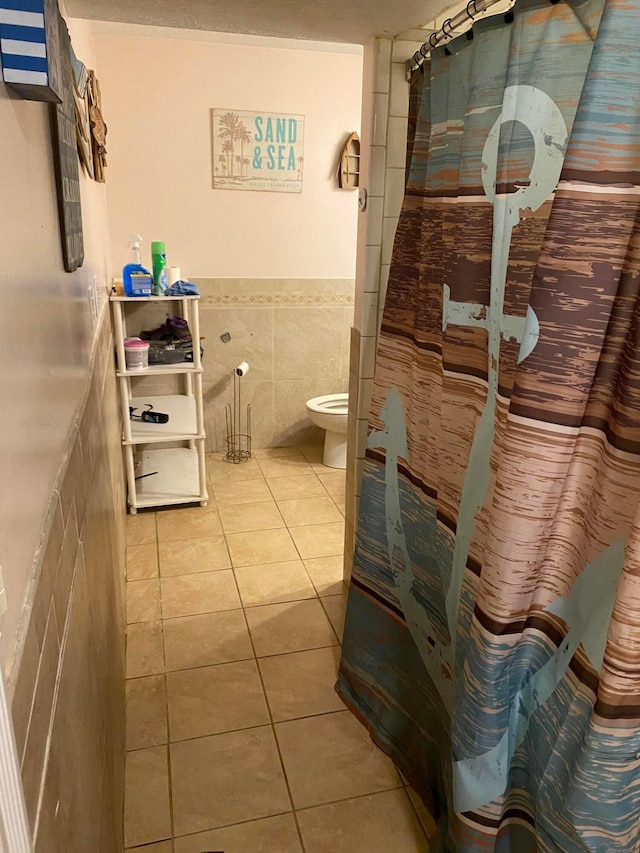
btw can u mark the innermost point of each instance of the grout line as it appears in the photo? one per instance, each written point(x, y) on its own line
point(251, 727)
point(405, 788)
point(254, 657)
point(399, 787)
point(273, 731)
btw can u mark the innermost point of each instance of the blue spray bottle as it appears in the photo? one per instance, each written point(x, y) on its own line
point(137, 280)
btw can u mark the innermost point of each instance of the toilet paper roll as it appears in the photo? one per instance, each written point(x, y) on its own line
point(173, 275)
point(242, 368)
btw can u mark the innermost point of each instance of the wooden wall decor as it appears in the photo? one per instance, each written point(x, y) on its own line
point(80, 80)
point(65, 158)
point(98, 128)
point(30, 49)
point(349, 166)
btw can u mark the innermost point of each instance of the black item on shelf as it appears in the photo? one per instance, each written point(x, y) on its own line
point(148, 416)
point(170, 343)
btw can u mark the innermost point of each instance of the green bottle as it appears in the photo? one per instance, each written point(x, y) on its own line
point(159, 263)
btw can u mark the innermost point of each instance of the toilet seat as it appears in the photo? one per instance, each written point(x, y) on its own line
point(331, 404)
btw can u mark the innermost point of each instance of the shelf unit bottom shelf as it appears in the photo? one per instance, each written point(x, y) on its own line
point(176, 481)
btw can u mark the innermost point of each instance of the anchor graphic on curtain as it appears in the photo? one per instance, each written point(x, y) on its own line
point(483, 778)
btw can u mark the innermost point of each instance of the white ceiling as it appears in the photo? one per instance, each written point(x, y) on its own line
point(354, 21)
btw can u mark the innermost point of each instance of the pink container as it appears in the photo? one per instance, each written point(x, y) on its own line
point(136, 353)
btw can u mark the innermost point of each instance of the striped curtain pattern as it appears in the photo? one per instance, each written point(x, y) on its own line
point(492, 640)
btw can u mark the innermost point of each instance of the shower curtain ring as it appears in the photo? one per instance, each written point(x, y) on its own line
point(423, 51)
point(444, 31)
point(433, 44)
point(469, 4)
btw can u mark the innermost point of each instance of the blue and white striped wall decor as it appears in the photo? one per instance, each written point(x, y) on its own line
point(30, 49)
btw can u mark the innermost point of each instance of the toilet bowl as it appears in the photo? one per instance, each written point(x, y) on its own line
point(330, 413)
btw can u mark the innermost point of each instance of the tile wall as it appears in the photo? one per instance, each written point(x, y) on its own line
point(67, 685)
point(294, 333)
point(385, 137)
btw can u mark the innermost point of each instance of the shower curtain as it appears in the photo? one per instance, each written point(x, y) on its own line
point(492, 640)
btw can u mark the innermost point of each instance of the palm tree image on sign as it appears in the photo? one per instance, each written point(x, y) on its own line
point(257, 151)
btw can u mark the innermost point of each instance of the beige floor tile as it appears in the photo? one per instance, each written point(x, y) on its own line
point(244, 492)
point(143, 600)
point(334, 483)
point(226, 779)
point(424, 816)
point(220, 471)
point(303, 511)
point(336, 607)
point(142, 561)
point(277, 452)
point(240, 518)
point(332, 757)
point(288, 488)
point(319, 540)
point(141, 528)
point(146, 800)
point(341, 503)
point(214, 699)
point(269, 546)
point(302, 683)
point(160, 847)
point(274, 583)
point(319, 468)
point(191, 523)
point(280, 628)
point(190, 556)
point(144, 649)
point(269, 835)
point(378, 823)
point(288, 466)
point(313, 452)
point(326, 574)
point(206, 640)
point(206, 592)
point(146, 712)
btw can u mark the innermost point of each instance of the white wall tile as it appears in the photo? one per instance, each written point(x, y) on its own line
point(365, 313)
point(379, 119)
point(365, 387)
point(384, 281)
point(399, 95)
point(377, 169)
point(375, 212)
point(357, 479)
point(382, 61)
point(393, 193)
point(390, 224)
point(371, 276)
point(367, 357)
point(362, 430)
point(396, 143)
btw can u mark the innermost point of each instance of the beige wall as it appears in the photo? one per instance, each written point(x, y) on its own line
point(68, 695)
point(294, 333)
point(61, 496)
point(161, 85)
point(47, 328)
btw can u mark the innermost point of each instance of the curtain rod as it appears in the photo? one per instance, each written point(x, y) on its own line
point(445, 32)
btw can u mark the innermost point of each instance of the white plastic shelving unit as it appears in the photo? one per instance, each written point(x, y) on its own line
point(177, 474)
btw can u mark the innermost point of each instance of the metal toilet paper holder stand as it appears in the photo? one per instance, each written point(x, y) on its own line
point(238, 440)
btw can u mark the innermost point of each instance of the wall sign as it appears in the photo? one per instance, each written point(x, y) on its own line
point(30, 49)
point(65, 160)
point(257, 151)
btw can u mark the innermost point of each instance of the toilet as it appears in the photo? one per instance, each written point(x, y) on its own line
point(330, 413)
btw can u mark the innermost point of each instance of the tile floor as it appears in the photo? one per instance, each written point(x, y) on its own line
point(236, 739)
